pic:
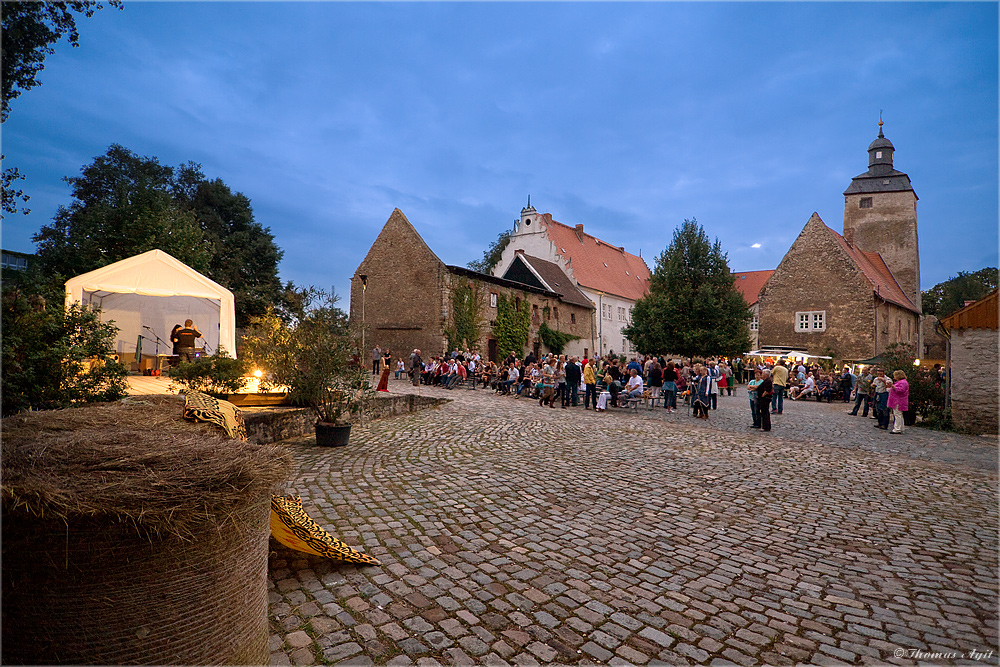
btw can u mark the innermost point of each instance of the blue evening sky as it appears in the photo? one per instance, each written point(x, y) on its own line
point(627, 118)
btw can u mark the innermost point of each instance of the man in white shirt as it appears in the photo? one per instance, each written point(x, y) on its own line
point(633, 388)
point(808, 388)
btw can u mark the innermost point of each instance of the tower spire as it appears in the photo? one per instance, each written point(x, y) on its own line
point(880, 124)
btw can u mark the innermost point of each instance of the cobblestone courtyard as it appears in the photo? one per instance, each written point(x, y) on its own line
point(515, 534)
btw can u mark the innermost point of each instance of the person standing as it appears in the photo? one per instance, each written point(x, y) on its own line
point(386, 362)
point(670, 378)
point(376, 359)
point(186, 338)
point(899, 400)
point(881, 400)
point(701, 385)
point(764, 392)
point(590, 386)
point(655, 377)
point(714, 374)
point(416, 367)
point(173, 340)
point(752, 394)
point(548, 384)
point(779, 381)
point(573, 376)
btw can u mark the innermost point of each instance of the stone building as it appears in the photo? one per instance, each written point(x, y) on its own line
point(834, 299)
point(402, 292)
point(849, 296)
point(749, 284)
point(612, 279)
point(973, 357)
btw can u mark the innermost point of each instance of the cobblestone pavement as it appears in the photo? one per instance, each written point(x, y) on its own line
point(515, 534)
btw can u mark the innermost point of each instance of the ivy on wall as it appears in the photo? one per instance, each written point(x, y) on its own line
point(553, 339)
point(467, 316)
point(511, 326)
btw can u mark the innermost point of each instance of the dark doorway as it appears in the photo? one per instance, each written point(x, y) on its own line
point(492, 353)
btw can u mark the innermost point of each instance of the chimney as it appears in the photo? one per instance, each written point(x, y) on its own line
point(519, 251)
point(849, 236)
point(579, 233)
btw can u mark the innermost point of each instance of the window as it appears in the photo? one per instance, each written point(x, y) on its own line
point(865, 202)
point(555, 312)
point(534, 311)
point(621, 314)
point(812, 321)
point(493, 299)
point(606, 311)
point(754, 323)
point(572, 318)
point(517, 304)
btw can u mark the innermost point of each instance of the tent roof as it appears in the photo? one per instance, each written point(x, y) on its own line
point(152, 273)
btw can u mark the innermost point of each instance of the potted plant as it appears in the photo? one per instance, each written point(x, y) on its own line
point(313, 356)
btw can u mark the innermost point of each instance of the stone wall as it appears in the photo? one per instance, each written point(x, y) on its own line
point(275, 424)
point(888, 227)
point(403, 300)
point(817, 275)
point(972, 363)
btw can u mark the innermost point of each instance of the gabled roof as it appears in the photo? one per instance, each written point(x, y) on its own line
point(751, 282)
point(878, 274)
point(598, 265)
point(982, 314)
point(550, 277)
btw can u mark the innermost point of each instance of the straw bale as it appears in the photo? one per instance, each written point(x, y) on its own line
point(135, 461)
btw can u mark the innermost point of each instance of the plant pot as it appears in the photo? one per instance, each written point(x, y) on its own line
point(332, 435)
point(910, 417)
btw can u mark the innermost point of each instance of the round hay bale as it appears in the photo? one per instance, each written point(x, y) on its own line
point(133, 537)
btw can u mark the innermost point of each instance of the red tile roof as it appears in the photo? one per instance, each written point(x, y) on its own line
point(877, 273)
point(598, 265)
point(751, 282)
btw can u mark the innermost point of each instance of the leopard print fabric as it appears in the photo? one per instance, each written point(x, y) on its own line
point(291, 526)
point(204, 408)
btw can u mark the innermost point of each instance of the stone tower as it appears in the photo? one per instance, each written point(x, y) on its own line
point(880, 215)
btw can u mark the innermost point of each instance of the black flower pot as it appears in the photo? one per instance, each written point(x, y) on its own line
point(332, 435)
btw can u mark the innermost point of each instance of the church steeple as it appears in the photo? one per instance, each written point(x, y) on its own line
point(880, 154)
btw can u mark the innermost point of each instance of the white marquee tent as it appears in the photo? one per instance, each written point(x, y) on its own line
point(149, 293)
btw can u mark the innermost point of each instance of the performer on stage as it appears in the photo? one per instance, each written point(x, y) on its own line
point(186, 338)
point(174, 340)
point(383, 383)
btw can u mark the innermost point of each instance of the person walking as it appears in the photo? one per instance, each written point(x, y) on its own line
point(899, 400)
point(863, 389)
point(670, 378)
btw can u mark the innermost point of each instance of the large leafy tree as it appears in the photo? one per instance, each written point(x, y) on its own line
point(125, 204)
point(693, 307)
point(945, 298)
point(244, 256)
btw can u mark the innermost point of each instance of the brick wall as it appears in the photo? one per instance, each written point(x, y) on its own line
point(973, 369)
point(817, 275)
point(405, 295)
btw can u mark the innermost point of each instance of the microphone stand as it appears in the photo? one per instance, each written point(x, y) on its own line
point(157, 337)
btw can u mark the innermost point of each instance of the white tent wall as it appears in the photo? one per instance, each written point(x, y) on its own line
point(132, 312)
point(156, 290)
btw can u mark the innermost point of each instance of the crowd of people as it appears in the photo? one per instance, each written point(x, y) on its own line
point(600, 383)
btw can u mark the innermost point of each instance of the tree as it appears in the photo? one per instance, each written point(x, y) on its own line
point(123, 207)
point(945, 298)
point(126, 204)
point(29, 31)
point(491, 256)
point(54, 357)
point(244, 256)
point(693, 307)
point(13, 197)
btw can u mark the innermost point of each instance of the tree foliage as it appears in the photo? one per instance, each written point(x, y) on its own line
point(54, 357)
point(13, 197)
point(29, 31)
point(945, 298)
point(693, 307)
point(491, 256)
point(125, 204)
point(511, 326)
point(218, 375)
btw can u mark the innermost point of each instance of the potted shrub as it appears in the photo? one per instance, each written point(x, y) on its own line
point(313, 356)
